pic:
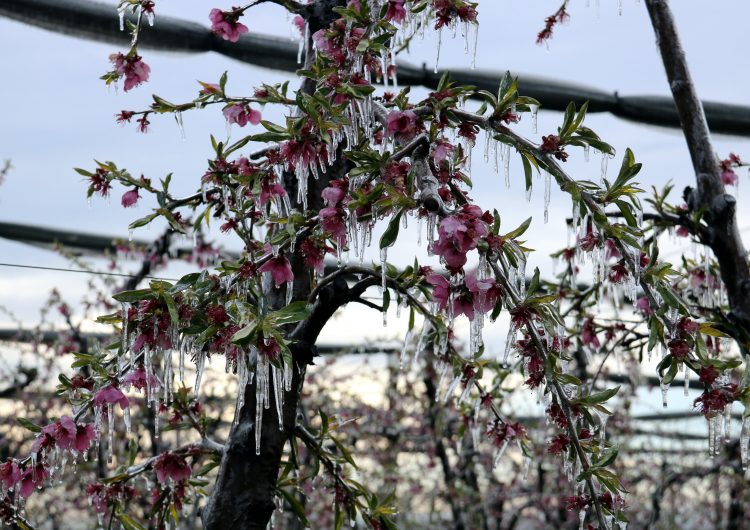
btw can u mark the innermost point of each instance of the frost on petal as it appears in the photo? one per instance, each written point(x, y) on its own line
point(280, 270)
point(111, 395)
point(169, 466)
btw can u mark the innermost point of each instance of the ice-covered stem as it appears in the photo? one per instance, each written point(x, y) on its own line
point(562, 397)
point(566, 184)
point(419, 151)
point(709, 197)
point(333, 470)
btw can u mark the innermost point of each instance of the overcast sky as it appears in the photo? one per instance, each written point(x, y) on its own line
point(57, 114)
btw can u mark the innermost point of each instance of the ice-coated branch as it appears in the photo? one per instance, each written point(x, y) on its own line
point(709, 197)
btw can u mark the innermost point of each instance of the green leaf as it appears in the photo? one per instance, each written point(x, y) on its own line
point(244, 334)
point(143, 221)
point(599, 397)
point(171, 307)
point(27, 424)
point(518, 231)
point(294, 312)
point(391, 233)
point(133, 296)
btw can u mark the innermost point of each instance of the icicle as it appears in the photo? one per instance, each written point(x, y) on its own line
point(383, 270)
point(664, 391)
point(121, 15)
point(619, 7)
point(687, 383)
point(278, 394)
point(744, 440)
point(586, 152)
point(509, 342)
point(526, 467)
point(180, 125)
point(261, 397)
point(199, 366)
point(111, 431)
point(500, 452)
point(547, 194)
point(126, 419)
point(534, 112)
point(452, 388)
point(605, 161)
point(582, 519)
point(474, 50)
point(403, 355)
point(506, 164)
point(602, 427)
point(439, 42)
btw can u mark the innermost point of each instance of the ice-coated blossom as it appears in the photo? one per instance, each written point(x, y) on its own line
point(485, 292)
point(299, 23)
point(131, 67)
point(334, 193)
point(441, 289)
point(588, 334)
point(729, 177)
point(280, 270)
point(459, 234)
point(314, 253)
point(138, 379)
point(33, 477)
point(130, 198)
point(333, 221)
point(396, 12)
point(169, 466)
point(402, 124)
point(226, 24)
point(109, 395)
point(242, 115)
point(558, 444)
point(10, 473)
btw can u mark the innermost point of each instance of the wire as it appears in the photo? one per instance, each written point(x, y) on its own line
point(58, 269)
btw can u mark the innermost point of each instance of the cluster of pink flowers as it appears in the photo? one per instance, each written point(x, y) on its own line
point(103, 495)
point(62, 434)
point(559, 17)
point(171, 467)
point(500, 432)
point(226, 24)
point(467, 298)
point(460, 233)
point(132, 67)
point(333, 216)
point(446, 11)
point(403, 125)
point(728, 176)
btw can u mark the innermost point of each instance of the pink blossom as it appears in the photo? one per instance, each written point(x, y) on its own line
point(226, 24)
point(682, 231)
point(485, 292)
point(110, 395)
point(402, 124)
point(130, 198)
point(169, 466)
point(10, 473)
point(588, 334)
point(269, 189)
point(210, 88)
point(132, 67)
point(32, 477)
point(85, 434)
point(314, 254)
point(396, 12)
point(442, 151)
point(643, 306)
point(299, 23)
point(441, 289)
point(458, 234)
point(333, 221)
point(279, 268)
point(334, 194)
point(242, 115)
point(729, 177)
point(137, 378)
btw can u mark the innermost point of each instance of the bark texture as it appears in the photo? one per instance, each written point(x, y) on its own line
point(709, 197)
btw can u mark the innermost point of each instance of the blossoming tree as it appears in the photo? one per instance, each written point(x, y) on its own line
point(346, 158)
